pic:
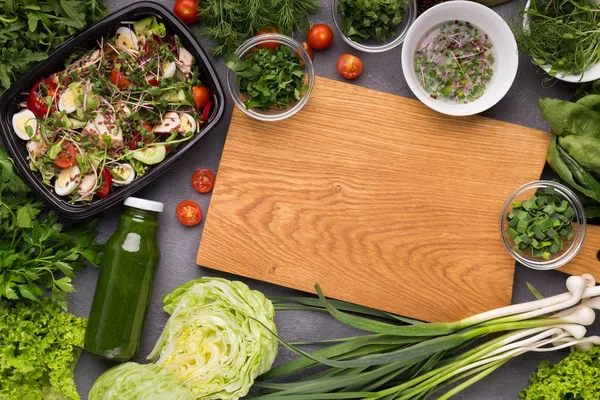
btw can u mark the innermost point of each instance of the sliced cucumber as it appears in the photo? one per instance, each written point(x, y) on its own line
point(151, 155)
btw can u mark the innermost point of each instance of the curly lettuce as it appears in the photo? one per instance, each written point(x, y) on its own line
point(212, 341)
point(39, 347)
point(133, 381)
point(575, 377)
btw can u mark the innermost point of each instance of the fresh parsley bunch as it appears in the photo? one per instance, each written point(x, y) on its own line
point(39, 347)
point(30, 30)
point(270, 78)
point(371, 19)
point(35, 253)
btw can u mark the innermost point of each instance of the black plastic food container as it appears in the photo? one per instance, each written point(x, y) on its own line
point(88, 40)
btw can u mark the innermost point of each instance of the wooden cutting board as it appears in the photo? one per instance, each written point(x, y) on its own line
point(380, 200)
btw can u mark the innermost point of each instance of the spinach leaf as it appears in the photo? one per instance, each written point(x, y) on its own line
point(591, 101)
point(584, 149)
point(567, 118)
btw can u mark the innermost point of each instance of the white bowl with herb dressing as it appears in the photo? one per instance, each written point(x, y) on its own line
point(460, 58)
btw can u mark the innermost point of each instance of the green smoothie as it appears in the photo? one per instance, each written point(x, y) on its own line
point(125, 283)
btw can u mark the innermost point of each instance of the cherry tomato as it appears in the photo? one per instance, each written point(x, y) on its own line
point(119, 80)
point(189, 213)
point(309, 50)
point(319, 37)
point(36, 99)
point(349, 66)
point(187, 10)
point(203, 180)
point(133, 144)
point(268, 45)
point(104, 188)
point(201, 96)
point(67, 157)
point(206, 112)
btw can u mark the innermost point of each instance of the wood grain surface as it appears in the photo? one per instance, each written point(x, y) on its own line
point(380, 200)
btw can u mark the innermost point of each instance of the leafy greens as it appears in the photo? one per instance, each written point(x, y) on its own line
point(233, 21)
point(270, 78)
point(30, 29)
point(574, 151)
point(575, 377)
point(39, 347)
point(34, 251)
point(371, 19)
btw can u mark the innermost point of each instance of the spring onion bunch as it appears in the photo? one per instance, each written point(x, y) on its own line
point(405, 359)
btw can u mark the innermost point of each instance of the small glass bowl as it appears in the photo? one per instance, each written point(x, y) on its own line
point(274, 113)
point(571, 247)
point(373, 45)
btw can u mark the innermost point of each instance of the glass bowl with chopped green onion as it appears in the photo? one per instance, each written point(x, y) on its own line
point(374, 26)
point(543, 224)
point(271, 77)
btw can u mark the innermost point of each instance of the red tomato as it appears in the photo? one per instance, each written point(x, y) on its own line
point(319, 37)
point(203, 180)
point(119, 80)
point(268, 45)
point(36, 99)
point(104, 188)
point(187, 10)
point(189, 213)
point(133, 144)
point(67, 157)
point(309, 50)
point(201, 96)
point(206, 112)
point(349, 66)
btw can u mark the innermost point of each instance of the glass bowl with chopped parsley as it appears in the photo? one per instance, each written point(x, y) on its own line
point(271, 77)
point(542, 224)
point(373, 26)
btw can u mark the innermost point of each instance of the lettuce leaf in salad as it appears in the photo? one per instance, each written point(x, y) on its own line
point(149, 26)
point(134, 381)
point(212, 341)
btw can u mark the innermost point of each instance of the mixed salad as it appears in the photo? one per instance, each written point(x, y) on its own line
point(114, 112)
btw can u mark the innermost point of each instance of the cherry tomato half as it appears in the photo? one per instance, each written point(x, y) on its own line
point(189, 213)
point(134, 143)
point(187, 10)
point(206, 112)
point(203, 180)
point(201, 96)
point(268, 45)
point(67, 157)
point(104, 188)
point(349, 66)
point(36, 99)
point(319, 37)
point(119, 80)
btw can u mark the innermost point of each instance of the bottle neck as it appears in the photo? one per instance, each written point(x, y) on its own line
point(136, 217)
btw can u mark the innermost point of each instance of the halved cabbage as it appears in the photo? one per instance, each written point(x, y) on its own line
point(212, 341)
point(133, 381)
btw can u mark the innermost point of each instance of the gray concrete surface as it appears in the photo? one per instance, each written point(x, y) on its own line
point(179, 244)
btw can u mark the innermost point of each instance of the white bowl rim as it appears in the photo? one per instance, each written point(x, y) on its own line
point(589, 75)
point(509, 63)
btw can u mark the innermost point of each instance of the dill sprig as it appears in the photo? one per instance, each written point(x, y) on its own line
point(564, 34)
point(230, 22)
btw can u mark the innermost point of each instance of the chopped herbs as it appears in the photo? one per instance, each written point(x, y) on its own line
point(541, 223)
point(455, 62)
point(268, 78)
point(563, 34)
point(371, 19)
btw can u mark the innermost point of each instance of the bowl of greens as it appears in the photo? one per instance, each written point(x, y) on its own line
point(542, 225)
point(562, 38)
point(373, 26)
point(459, 58)
point(271, 77)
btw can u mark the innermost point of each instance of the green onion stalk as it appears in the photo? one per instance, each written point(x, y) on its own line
point(402, 359)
